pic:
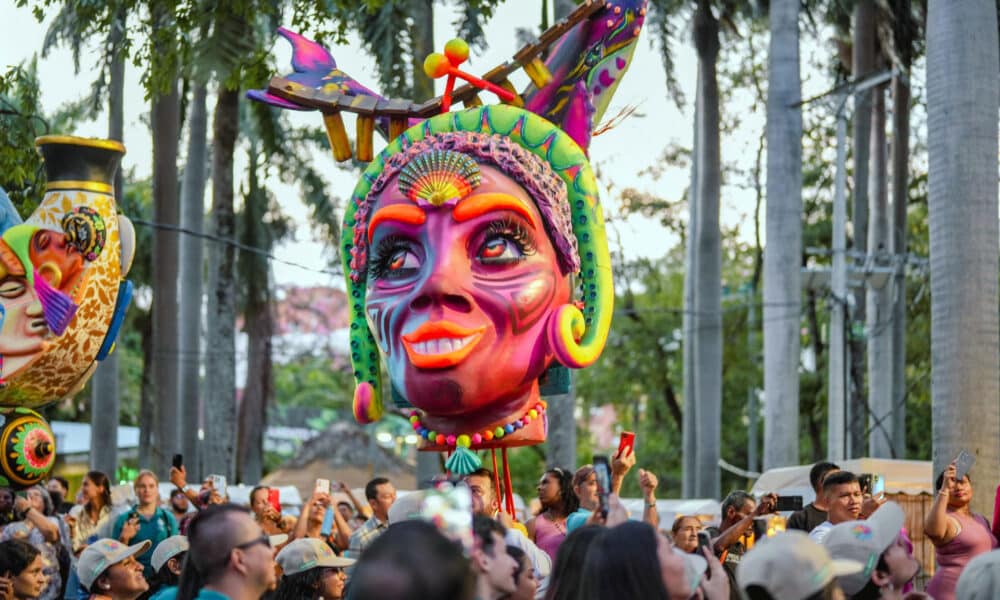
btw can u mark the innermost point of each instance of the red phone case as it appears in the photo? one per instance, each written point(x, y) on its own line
point(627, 440)
point(274, 498)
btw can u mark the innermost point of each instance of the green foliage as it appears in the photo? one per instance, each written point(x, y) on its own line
point(20, 123)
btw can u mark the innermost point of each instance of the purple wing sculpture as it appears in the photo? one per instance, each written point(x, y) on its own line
point(586, 63)
point(313, 67)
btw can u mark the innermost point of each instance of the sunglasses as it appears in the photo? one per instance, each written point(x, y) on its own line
point(264, 539)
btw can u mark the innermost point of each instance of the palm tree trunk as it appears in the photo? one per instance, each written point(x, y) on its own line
point(259, 387)
point(191, 273)
point(863, 64)
point(783, 253)
point(218, 454)
point(900, 182)
point(878, 306)
point(104, 395)
point(962, 103)
point(166, 124)
point(422, 32)
point(708, 284)
point(689, 432)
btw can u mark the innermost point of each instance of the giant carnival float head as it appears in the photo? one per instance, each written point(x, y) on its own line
point(62, 295)
point(474, 247)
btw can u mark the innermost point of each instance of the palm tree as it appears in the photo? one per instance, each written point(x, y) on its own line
point(192, 270)
point(707, 319)
point(782, 255)
point(962, 103)
point(165, 118)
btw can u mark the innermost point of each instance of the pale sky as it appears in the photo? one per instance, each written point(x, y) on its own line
point(619, 154)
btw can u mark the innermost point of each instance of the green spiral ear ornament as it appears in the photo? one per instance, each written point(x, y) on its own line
point(576, 335)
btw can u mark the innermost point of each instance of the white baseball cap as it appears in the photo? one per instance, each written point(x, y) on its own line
point(308, 553)
point(694, 567)
point(790, 566)
point(980, 579)
point(864, 542)
point(97, 557)
point(167, 549)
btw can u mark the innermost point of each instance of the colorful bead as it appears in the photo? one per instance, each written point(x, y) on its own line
point(431, 435)
point(533, 413)
point(463, 441)
point(450, 440)
point(476, 438)
point(487, 435)
point(498, 432)
point(526, 419)
point(439, 439)
point(509, 428)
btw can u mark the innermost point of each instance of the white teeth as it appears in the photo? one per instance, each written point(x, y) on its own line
point(442, 345)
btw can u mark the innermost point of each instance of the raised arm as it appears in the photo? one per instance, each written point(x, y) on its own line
point(938, 526)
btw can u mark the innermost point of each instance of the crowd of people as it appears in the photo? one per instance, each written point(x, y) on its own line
point(580, 544)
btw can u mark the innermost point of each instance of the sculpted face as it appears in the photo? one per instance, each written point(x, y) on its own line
point(458, 297)
point(22, 336)
point(58, 261)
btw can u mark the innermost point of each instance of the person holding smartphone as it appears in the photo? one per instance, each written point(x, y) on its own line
point(957, 533)
point(39, 526)
point(146, 521)
point(267, 516)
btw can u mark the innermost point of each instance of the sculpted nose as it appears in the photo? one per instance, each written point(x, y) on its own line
point(443, 289)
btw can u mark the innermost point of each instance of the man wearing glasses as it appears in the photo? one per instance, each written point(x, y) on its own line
point(230, 556)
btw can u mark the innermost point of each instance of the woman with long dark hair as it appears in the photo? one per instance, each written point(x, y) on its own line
point(635, 562)
point(311, 571)
point(86, 521)
point(567, 572)
point(555, 492)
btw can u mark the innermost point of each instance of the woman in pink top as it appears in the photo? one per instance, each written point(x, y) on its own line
point(958, 534)
point(555, 492)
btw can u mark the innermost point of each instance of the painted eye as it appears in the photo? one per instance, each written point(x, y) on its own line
point(500, 250)
point(394, 258)
point(401, 263)
point(12, 288)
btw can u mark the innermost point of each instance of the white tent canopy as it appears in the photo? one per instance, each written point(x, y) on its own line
point(911, 477)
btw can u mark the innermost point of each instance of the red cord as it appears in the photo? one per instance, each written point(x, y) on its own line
point(496, 477)
point(509, 491)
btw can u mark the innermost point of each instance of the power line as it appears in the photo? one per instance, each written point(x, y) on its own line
point(235, 244)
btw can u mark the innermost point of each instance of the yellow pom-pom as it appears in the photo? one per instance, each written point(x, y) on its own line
point(436, 65)
point(457, 51)
point(463, 441)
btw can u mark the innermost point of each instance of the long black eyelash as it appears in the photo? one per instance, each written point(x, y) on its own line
point(515, 231)
point(379, 264)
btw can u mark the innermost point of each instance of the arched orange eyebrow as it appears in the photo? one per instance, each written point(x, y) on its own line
point(403, 213)
point(480, 204)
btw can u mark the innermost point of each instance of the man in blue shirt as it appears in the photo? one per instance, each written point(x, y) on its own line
point(147, 521)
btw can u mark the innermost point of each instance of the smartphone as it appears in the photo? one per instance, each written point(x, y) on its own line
point(963, 462)
point(219, 484)
point(878, 485)
point(322, 486)
point(871, 484)
point(274, 499)
point(178, 461)
point(704, 541)
point(602, 467)
point(626, 440)
point(788, 503)
point(327, 522)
